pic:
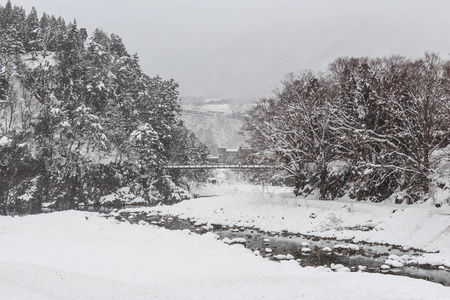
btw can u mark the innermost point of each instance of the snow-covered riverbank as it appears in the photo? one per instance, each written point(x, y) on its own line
point(421, 226)
point(78, 255)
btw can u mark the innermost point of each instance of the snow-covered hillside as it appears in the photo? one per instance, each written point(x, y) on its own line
point(215, 125)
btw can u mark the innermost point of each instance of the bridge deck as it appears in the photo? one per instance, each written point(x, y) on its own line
point(218, 166)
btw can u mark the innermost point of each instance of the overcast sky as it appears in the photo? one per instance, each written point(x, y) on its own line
point(243, 48)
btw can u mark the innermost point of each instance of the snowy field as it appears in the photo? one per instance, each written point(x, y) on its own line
point(79, 255)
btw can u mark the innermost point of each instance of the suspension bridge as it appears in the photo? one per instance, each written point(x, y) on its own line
point(219, 166)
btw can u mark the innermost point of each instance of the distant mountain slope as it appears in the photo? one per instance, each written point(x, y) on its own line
point(214, 129)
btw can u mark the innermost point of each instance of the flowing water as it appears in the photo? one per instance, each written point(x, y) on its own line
point(307, 250)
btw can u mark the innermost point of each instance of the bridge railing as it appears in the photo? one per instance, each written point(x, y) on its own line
point(219, 166)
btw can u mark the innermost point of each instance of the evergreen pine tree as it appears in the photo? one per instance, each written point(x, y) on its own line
point(44, 34)
point(96, 78)
point(11, 44)
point(70, 66)
point(7, 15)
point(32, 42)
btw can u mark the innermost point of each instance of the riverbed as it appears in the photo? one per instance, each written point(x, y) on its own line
point(308, 250)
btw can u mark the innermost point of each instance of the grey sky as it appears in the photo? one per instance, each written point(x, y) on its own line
point(243, 48)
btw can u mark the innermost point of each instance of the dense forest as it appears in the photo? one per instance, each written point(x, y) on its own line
point(81, 124)
point(365, 128)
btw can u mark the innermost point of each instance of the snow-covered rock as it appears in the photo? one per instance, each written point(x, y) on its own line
point(226, 240)
point(207, 227)
point(340, 247)
point(394, 263)
point(238, 241)
point(353, 247)
point(280, 256)
point(334, 267)
point(289, 256)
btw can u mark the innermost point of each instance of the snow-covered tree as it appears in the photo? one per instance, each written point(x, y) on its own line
point(95, 122)
point(32, 37)
point(70, 58)
point(6, 16)
point(367, 126)
point(296, 126)
point(424, 115)
point(10, 41)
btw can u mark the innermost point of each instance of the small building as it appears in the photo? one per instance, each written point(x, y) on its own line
point(232, 155)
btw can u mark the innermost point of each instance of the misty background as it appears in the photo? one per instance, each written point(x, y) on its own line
point(242, 49)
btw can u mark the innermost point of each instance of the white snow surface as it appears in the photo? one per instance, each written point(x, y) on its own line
point(79, 255)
